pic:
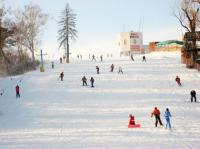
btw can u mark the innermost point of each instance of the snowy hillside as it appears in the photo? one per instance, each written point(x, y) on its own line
point(54, 114)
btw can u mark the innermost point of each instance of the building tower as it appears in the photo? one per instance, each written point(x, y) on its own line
point(130, 43)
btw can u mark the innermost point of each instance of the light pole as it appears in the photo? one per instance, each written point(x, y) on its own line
point(42, 62)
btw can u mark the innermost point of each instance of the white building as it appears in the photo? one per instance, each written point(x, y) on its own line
point(130, 43)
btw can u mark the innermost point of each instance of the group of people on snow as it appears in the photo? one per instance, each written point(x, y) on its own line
point(167, 115)
point(84, 80)
point(143, 58)
point(94, 58)
point(192, 92)
point(101, 57)
point(79, 56)
point(156, 114)
point(111, 69)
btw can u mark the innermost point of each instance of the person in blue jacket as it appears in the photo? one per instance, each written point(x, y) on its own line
point(167, 117)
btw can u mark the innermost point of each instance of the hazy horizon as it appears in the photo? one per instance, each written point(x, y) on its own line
point(99, 22)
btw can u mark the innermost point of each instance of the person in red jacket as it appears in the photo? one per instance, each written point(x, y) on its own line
point(131, 120)
point(17, 91)
point(156, 113)
point(178, 80)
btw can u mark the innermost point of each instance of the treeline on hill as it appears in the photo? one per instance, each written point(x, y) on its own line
point(19, 31)
point(14, 63)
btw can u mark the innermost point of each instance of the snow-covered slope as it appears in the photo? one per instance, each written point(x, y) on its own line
point(57, 115)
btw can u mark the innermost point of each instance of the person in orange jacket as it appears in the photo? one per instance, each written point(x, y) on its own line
point(178, 80)
point(156, 113)
point(131, 120)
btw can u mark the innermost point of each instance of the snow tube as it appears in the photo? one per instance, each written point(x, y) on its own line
point(134, 126)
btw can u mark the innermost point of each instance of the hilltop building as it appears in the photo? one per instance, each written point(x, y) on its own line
point(130, 43)
point(169, 45)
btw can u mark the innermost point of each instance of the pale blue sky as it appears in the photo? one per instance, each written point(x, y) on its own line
point(100, 21)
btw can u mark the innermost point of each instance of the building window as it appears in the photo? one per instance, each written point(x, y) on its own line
point(124, 42)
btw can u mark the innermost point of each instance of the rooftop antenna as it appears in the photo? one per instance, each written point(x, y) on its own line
point(124, 27)
point(140, 22)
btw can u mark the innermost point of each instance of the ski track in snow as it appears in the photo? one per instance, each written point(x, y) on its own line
point(54, 115)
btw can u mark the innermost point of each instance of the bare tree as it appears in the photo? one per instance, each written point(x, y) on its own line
point(198, 1)
point(19, 35)
point(7, 29)
point(189, 17)
point(67, 29)
point(32, 20)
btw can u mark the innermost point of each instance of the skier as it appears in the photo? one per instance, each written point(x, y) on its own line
point(61, 60)
point(167, 117)
point(97, 68)
point(193, 95)
point(178, 80)
point(2, 91)
point(52, 65)
point(132, 57)
point(144, 59)
point(131, 120)
point(92, 81)
point(93, 58)
point(84, 80)
point(156, 113)
point(120, 70)
point(17, 91)
point(61, 76)
point(111, 68)
point(101, 57)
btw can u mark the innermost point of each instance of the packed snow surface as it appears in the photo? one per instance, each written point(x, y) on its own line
point(54, 114)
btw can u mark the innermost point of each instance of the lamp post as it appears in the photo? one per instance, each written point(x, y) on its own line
point(42, 61)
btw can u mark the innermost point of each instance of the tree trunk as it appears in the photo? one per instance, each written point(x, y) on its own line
point(67, 60)
point(194, 53)
point(33, 59)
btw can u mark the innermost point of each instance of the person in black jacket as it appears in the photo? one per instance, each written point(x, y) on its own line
point(84, 80)
point(61, 76)
point(97, 68)
point(112, 68)
point(92, 81)
point(144, 59)
point(193, 95)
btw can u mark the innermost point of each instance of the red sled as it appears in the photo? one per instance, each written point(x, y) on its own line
point(134, 126)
